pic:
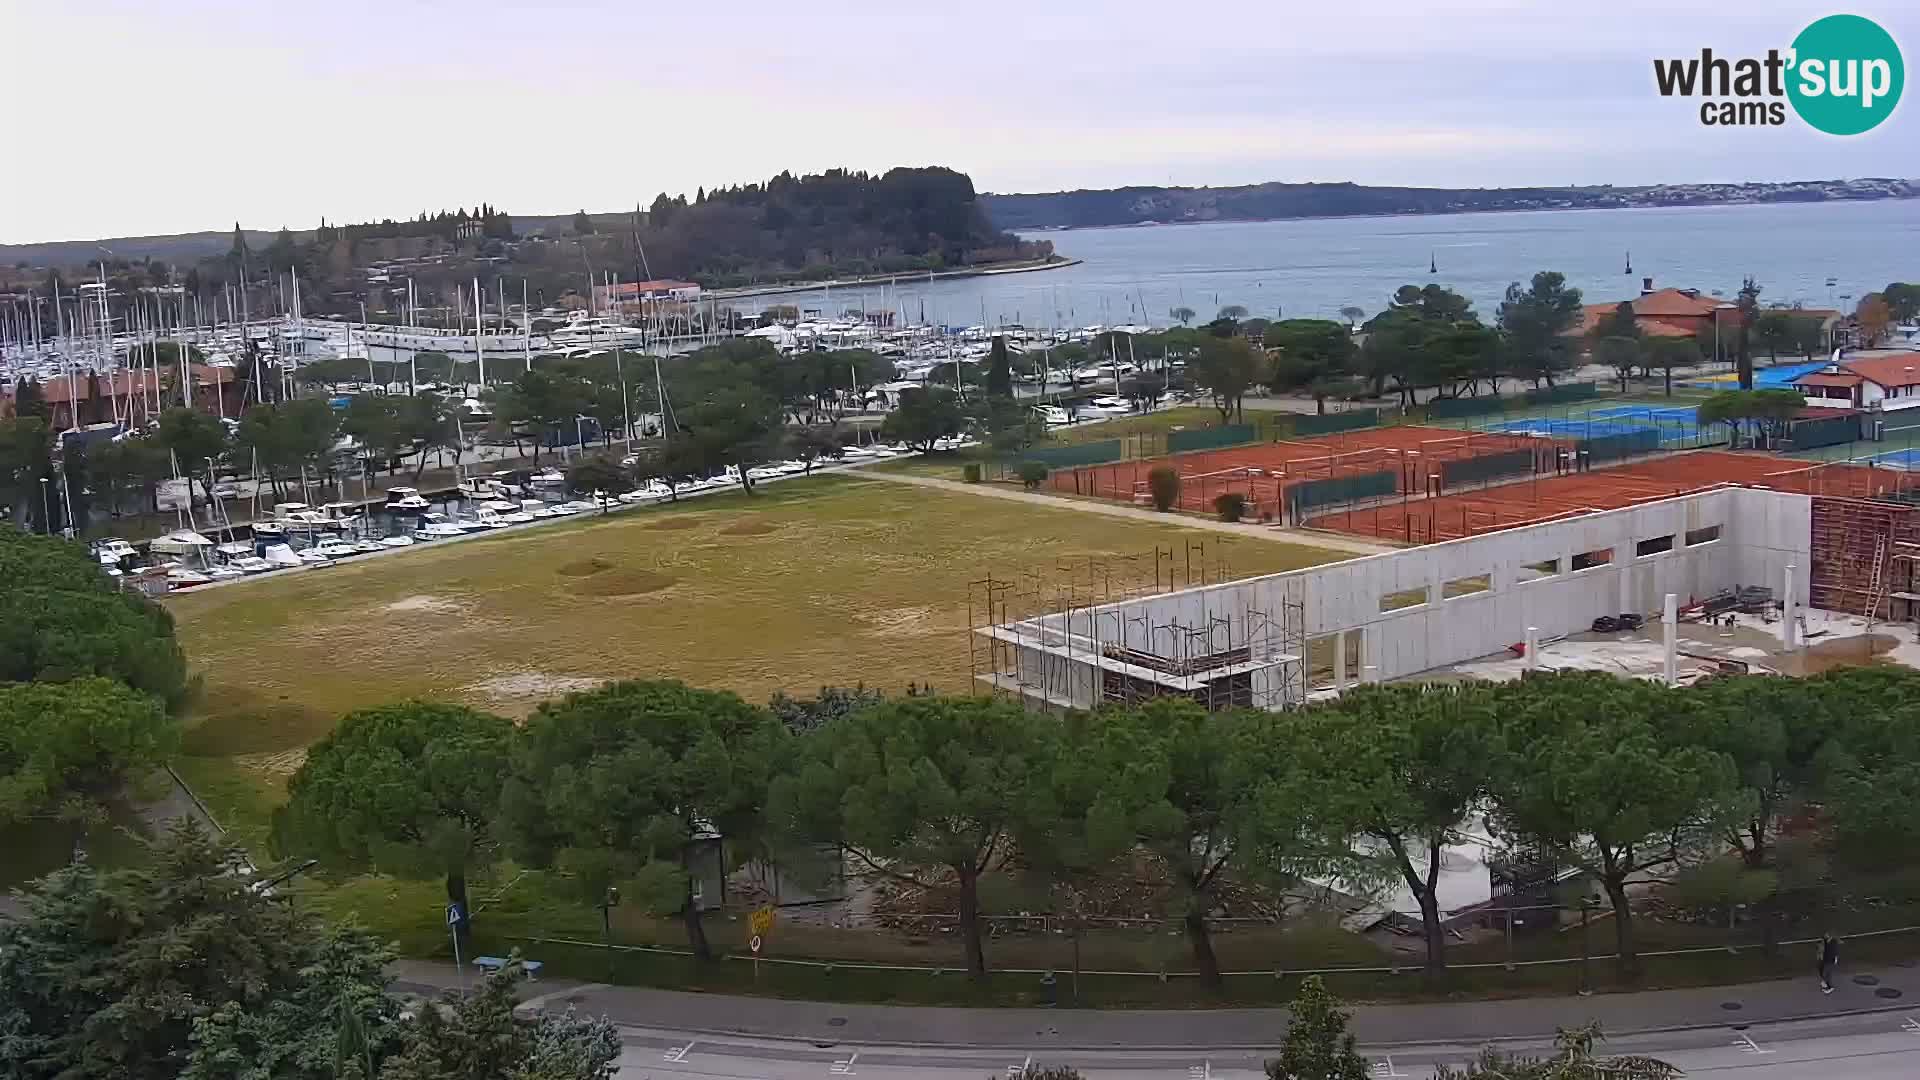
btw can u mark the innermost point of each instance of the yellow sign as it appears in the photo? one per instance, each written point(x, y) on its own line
point(760, 921)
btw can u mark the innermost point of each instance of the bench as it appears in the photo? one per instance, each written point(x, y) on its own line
point(492, 965)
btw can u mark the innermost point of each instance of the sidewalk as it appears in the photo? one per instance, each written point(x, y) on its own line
point(1376, 1026)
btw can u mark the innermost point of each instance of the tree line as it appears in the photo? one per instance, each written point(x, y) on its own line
point(1580, 771)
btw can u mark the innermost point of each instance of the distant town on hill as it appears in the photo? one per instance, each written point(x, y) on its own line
point(1256, 202)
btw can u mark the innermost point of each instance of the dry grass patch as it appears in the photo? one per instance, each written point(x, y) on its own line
point(866, 582)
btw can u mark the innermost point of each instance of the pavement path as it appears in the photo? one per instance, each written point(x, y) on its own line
point(1327, 541)
point(1381, 1027)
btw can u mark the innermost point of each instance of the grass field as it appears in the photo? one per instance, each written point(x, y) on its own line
point(815, 582)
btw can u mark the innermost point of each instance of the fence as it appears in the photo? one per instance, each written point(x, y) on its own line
point(1487, 467)
point(1304, 496)
point(1067, 457)
point(1623, 444)
point(1826, 431)
point(1333, 422)
point(1179, 442)
point(1454, 408)
point(1555, 395)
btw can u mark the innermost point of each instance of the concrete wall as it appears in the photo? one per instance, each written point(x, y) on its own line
point(1760, 534)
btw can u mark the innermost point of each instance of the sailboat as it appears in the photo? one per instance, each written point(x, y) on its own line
point(1629, 268)
point(1433, 263)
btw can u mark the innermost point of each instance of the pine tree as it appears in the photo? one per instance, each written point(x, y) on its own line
point(1318, 1045)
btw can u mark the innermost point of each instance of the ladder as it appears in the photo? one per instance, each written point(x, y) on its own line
point(1877, 586)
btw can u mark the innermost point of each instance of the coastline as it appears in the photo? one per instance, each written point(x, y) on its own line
point(1026, 267)
point(1047, 230)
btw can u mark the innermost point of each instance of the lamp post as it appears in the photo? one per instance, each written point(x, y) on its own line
point(46, 515)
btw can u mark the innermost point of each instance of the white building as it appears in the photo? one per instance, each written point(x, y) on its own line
point(1887, 383)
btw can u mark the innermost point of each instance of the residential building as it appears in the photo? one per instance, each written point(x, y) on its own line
point(635, 292)
point(1888, 382)
point(1672, 313)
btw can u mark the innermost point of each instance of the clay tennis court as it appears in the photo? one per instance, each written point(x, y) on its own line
point(1450, 517)
point(1262, 471)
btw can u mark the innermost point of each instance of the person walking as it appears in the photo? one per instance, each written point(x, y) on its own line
point(1829, 959)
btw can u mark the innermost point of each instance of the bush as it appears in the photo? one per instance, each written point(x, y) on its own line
point(1033, 474)
point(1231, 506)
point(1163, 483)
point(970, 472)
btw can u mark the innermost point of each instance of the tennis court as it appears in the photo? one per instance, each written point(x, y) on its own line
point(1263, 471)
point(1544, 498)
point(1678, 426)
point(1906, 458)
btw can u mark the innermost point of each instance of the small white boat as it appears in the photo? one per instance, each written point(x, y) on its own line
point(484, 518)
point(312, 557)
point(574, 506)
point(251, 564)
point(186, 577)
point(335, 549)
point(500, 506)
point(225, 573)
point(279, 555)
point(269, 531)
point(366, 547)
point(113, 552)
point(406, 500)
point(397, 542)
point(341, 515)
point(437, 527)
point(548, 477)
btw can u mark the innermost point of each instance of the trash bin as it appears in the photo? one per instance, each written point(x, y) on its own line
point(1049, 992)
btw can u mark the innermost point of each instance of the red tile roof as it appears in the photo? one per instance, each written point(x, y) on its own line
point(1899, 369)
point(1822, 378)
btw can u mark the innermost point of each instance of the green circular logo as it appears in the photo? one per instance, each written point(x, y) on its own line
point(1846, 75)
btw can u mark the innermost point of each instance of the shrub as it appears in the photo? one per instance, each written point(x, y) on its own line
point(1163, 483)
point(970, 472)
point(1032, 474)
point(1231, 506)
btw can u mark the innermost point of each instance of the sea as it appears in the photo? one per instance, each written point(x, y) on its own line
point(1817, 255)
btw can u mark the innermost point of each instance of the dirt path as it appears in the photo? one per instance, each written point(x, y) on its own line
point(1327, 541)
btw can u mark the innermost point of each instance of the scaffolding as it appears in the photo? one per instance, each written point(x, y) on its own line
point(1100, 630)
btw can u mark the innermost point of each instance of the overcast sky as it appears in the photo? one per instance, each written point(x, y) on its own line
point(133, 118)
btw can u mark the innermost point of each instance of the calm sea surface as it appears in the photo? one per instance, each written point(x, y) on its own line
point(1314, 268)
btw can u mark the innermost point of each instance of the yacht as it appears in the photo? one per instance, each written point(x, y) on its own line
point(335, 549)
point(185, 577)
point(366, 547)
point(344, 516)
point(296, 517)
point(406, 500)
point(225, 572)
point(436, 527)
point(536, 510)
point(500, 506)
point(548, 477)
point(396, 542)
point(114, 552)
point(485, 518)
point(280, 555)
point(312, 557)
point(269, 532)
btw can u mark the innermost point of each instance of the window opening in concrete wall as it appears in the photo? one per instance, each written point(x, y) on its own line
point(1654, 545)
point(1587, 560)
point(1405, 598)
point(1703, 536)
point(1466, 586)
point(1534, 571)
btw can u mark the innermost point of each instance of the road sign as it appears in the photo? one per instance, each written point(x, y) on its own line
point(453, 914)
point(760, 921)
point(754, 945)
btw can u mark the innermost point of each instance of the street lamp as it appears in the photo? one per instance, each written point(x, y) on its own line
point(46, 515)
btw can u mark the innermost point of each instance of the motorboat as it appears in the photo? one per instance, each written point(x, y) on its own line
point(250, 564)
point(186, 577)
point(114, 552)
point(335, 549)
point(271, 532)
point(396, 542)
point(366, 547)
point(297, 517)
point(485, 518)
point(548, 477)
point(342, 515)
point(568, 508)
point(225, 572)
point(500, 506)
point(765, 472)
point(312, 557)
point(535, 510)
point(406, 500)
point(438, 527)
point(280, 555)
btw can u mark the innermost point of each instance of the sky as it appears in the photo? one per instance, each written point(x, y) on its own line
point(138, 118)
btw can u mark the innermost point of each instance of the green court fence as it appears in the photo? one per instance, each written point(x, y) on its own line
point(1307, 494)
point(1486, 467)
point(1554, 395)
point(1615, 447)
point(1454, 408)
point(1826, 431)
point(1179, 442)
point(1333, 422)
point(1067, 457)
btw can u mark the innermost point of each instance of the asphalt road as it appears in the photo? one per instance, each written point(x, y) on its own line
point(1880, 1046)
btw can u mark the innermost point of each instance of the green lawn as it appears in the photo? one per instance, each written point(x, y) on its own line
point(828, 581)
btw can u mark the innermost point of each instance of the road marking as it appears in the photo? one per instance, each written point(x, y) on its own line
point(1015, 1072)
point(1911, 1027)
point(1385, 1068)
point(1202, 1071)
point(678, 1053)
point(844, 1068)
point(1748, 1046)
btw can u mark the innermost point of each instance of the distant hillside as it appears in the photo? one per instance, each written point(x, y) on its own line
point(1134, 205)
point(177, 248)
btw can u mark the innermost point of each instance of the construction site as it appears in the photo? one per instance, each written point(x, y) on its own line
point(1547, 550)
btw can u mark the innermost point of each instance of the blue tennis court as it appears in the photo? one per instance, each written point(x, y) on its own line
point(1683, 414)
point(1908, 458)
